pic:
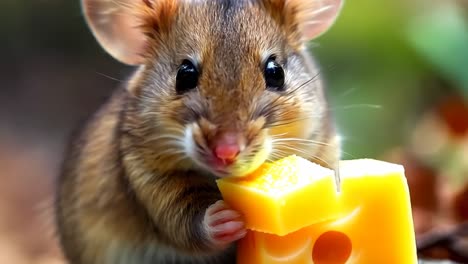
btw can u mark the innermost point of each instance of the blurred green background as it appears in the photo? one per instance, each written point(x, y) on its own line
point(388, 60)
point(388, 65)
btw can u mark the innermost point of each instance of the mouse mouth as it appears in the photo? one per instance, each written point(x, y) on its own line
point(248, 160)
point(219, 166)
point(223, 168)
point(239, 168)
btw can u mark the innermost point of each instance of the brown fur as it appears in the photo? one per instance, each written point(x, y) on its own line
point(128, 193)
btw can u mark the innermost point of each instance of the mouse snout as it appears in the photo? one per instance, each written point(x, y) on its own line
point(227, 146)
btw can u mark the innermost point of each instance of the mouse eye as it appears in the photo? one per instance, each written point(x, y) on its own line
point(187, 77)
point(274, 75)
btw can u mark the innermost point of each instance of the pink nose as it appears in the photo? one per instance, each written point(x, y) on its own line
point(227, 152)
point(227, 147)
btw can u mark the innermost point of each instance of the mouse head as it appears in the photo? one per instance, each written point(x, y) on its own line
point(225, 84)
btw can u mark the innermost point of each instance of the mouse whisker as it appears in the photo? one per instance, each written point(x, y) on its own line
point(277, 154)
point(322, 160)
point(302, 141)
point(304, 84)
point(110, 77)
point(273, 158)
point(348, 92)
point(280, 151)
point(307, 154)
point(326, 145)
point(278, 136)
point(296, 149)
point(274, 106)
point(354, 106)
point(286, 122)
point(281, 117)
point(305, 144)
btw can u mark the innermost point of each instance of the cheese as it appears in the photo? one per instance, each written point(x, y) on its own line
point(277, 198)
point(368, 222)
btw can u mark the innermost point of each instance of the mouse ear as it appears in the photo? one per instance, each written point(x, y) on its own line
point(305, 19)
point(123, 27)
point(313, 17)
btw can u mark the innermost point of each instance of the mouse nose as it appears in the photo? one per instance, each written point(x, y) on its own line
point(227, 147)
point(227, 152)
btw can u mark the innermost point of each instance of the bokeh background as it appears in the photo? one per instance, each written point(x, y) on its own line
point(398, 84)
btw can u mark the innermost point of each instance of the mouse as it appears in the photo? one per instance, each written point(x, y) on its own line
point(218, 88)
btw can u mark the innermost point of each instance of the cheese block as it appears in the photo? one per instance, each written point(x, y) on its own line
point(374, 223)
point(282, 197)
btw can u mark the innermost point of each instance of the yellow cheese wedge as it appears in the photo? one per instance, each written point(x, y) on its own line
point(374, 223)
point(283, 197)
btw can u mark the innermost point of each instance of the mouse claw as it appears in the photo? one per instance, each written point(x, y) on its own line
point(223, 225)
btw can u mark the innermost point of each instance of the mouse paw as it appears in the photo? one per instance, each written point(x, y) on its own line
point(223, 225)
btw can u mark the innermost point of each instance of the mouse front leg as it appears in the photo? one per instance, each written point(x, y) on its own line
point(188, 214)
point(223, 225)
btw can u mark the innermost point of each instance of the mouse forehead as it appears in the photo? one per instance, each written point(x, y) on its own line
point(225, 31)
point(228, 24)
point(229, 40)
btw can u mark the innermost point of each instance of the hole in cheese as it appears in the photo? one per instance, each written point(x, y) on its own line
point(332, 247)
